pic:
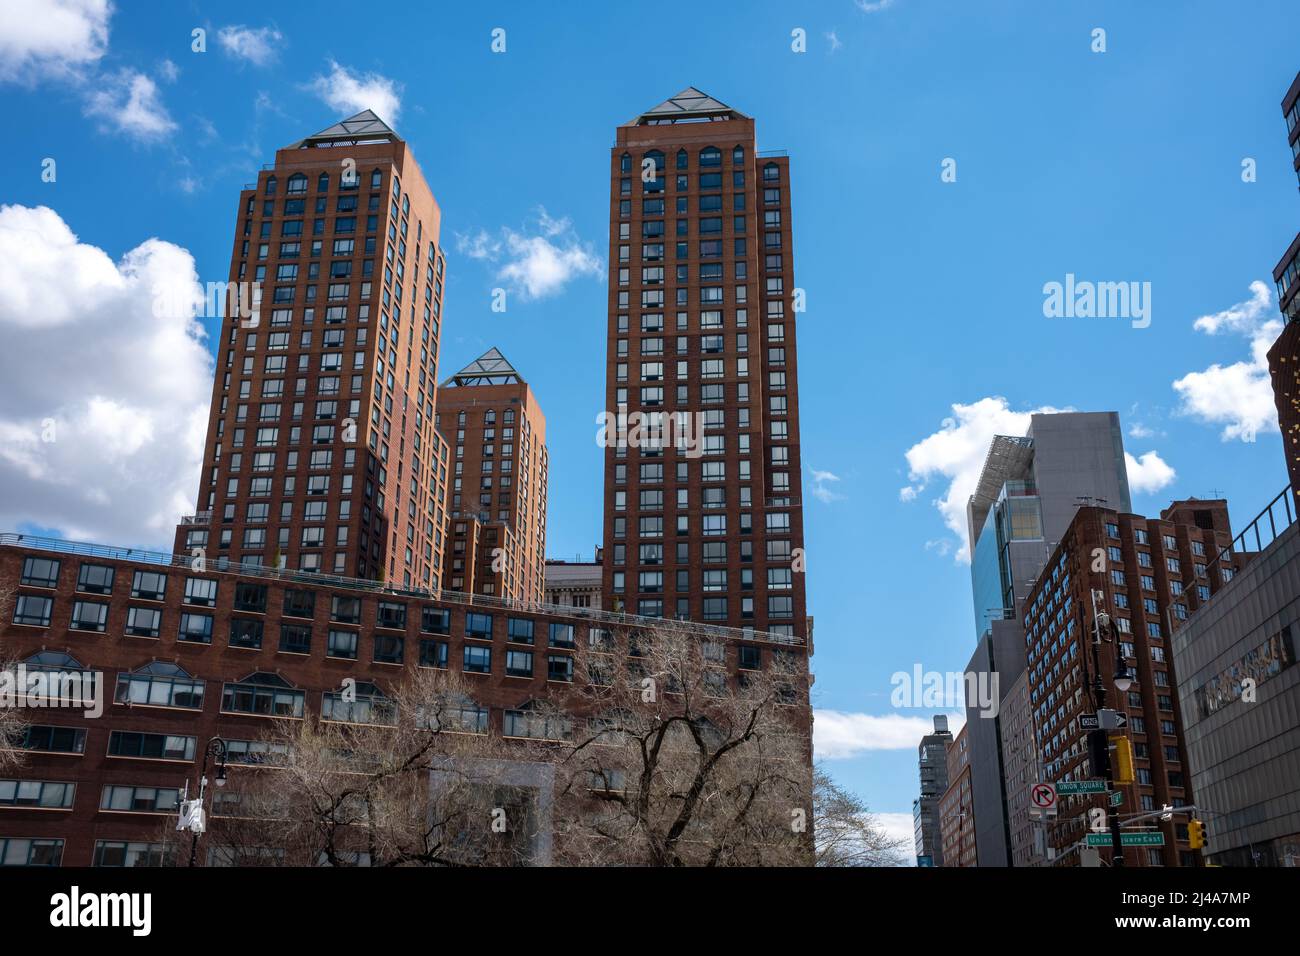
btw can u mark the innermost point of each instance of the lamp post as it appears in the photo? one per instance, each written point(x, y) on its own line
point(216, 748)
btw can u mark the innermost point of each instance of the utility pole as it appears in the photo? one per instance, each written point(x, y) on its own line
point(1100, 745)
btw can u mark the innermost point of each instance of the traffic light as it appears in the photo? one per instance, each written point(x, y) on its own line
point(1195, 834)
point(1122, 764)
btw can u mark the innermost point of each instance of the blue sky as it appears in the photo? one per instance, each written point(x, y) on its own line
point(924, 333)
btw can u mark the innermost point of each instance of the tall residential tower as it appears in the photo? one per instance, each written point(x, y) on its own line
point(320, 452)
point(704, 523)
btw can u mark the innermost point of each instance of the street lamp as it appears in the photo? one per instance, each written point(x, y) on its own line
point(192, 816)
point(1123, 676)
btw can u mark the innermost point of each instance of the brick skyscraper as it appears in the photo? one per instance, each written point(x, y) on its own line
point(701, 325)
point(1146, 574)
point(1284, 356)
point(497, 432)
point(321, 453)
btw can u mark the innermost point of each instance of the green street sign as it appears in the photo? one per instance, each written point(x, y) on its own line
point(1081, 786)
point(1116, 799)
point(1127, 839)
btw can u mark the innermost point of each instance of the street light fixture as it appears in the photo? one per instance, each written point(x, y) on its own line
point(1123, 676)
point(195, 815)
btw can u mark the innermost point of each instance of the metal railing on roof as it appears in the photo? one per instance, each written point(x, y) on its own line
point(591, 615)
point(1266, 528)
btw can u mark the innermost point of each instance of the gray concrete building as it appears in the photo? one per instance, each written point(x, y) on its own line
point(1239, 692)
point(1027, 495)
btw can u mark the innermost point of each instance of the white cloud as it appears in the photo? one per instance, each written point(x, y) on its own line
point(479, 245)
point(833, 39)
point(1138, 430)
point(129, 103)
point(1148, 473)
point(1238, 396)
point(122, 392)
point(349, 92)
point(538, 265)
point(57, 41)
point(169, 71)
point(956, 452)
point(257, 46)
point(838, 735)
point(821, 489)
point(873, 6)
point(899, 826)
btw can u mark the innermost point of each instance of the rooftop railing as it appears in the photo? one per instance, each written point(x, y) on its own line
point(1266, 528)
point(591, 615)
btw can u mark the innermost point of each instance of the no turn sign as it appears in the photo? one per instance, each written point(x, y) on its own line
point(1042, 799)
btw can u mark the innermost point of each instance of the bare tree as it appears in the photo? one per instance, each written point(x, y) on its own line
point(404, 778)
point(674, 761)
point(13, 724)
point(846, 832)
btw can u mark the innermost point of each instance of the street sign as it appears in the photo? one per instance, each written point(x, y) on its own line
point(1117, 799)
point(1081, 786)
point(1127, 839)
point(1112, 719)
point(1088, 722)
point(1042, 799)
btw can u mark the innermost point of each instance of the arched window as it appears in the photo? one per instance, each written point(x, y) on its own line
point(270, 185)
point(297, 184)
point(771, 173)
point(323, 183)
point(681, 159)
point(710, 156)
point(738, 155)
point(625, 163)
point(376, 179)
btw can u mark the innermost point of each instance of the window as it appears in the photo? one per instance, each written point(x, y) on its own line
point(345, 610)
point(250, 597)
point(126, 799)
point(195, 628)
point(264, 695)
point(520, 631)
point(295, 638)
point(40, 572)
point(95, 579)
point(25, 851)
point(559, 667)
point(299, 604)
point(389, 648)
point(45, 794)
point(160, 684)
point(122, 853)
point(477, 659)
point(88, 616)
point(57, 740)
point(143, 621)
point(245, 632)
point(149, 585)
point(123, 743)
point(478, 625)
point(200, 591)
point(561, 635)
point(433, 654)
point(519, 663)
point(390, 614)
point(342, 644)
point(364, 703)
point(435, 620)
